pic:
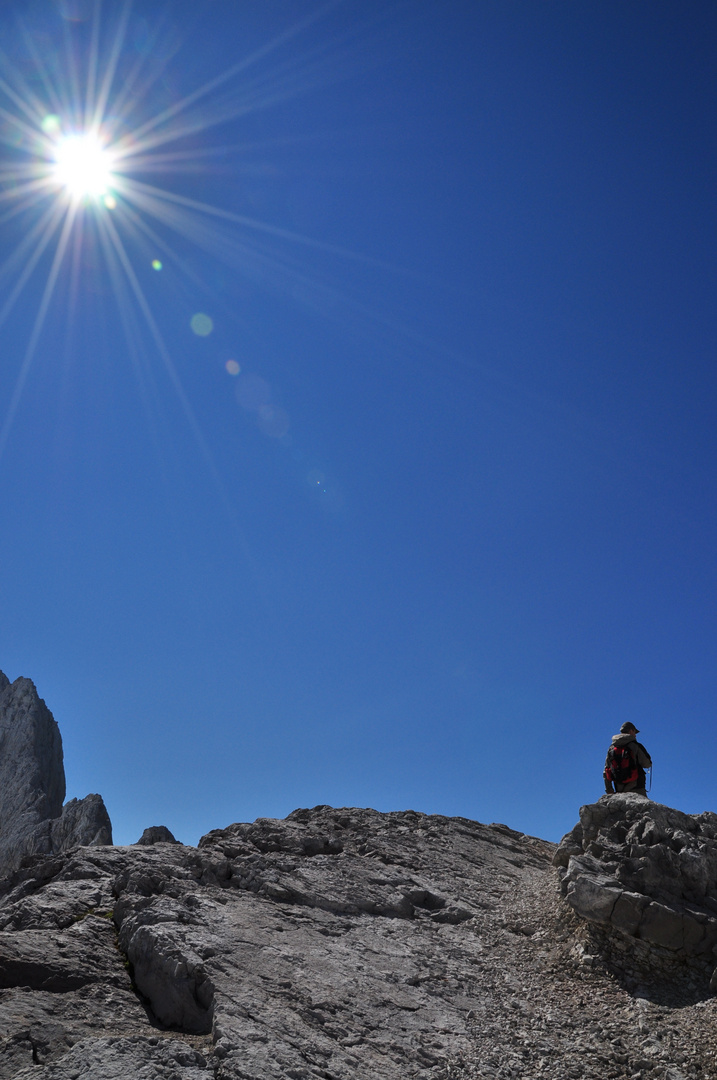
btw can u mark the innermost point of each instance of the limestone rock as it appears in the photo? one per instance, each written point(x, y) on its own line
point(333, 943)
point(83, 954)
point(338, 944)
point(344, 944)
point(121, 1059)
point(32, 783)
point(157, 834)
point(82, 822)
point(32, 778)
point(646, 871)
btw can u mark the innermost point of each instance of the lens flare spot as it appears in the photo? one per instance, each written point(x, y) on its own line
point(201, 324)
point(273, 421)
point(83, 166)
point(51, 124)
point(110, 202)
point(156, 264)
point(232, 367)
point(253, 392)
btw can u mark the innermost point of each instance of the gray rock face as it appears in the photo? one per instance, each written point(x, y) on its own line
point(335, 943)
point(32, 783)
point(32, 779)
point(345, 944)
point(82, 822)
point(134, 1058)
point(157, 834)
point(645, 871)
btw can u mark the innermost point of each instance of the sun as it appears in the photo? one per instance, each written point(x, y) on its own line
point(83, 166)
point(91, 171)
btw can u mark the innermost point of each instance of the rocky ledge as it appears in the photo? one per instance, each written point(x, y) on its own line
point(644, 877)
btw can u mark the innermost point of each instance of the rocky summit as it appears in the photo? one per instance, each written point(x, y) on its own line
point(346, 944)
point(644, 878)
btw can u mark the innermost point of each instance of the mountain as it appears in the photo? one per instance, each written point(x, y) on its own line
point(346, 944)
point(32, 783)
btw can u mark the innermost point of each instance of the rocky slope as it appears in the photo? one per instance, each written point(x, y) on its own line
point(347, 944)
point(336, 944)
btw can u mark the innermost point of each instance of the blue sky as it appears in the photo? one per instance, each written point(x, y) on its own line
point(453, 519)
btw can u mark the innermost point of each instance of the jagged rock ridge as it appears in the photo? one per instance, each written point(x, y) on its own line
point(346, 944)
point(32, 783)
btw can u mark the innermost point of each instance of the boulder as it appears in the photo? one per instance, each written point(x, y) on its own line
point(157, 834)
point(644, 870)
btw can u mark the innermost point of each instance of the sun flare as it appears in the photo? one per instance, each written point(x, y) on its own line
point(102, 127)
point(83, 166)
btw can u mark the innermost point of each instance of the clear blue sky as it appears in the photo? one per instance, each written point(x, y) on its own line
point(454, 519)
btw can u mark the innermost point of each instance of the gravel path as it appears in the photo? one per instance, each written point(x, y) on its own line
point(545, 1009)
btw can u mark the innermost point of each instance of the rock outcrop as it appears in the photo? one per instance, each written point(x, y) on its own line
point(647, 876)
point(157, 834)
point(346, 944)
point(340, 943)
point(32, 783)
point(333, 945)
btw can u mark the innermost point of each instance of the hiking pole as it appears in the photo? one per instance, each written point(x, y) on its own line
point(650, 772)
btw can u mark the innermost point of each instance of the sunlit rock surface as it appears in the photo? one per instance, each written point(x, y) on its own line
point(342, 943)
point(346, 944)
point(32, 783)
point(338, 944)
point(157, 834)
point(646, 875)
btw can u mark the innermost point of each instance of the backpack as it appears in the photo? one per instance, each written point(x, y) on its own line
point(621, 766)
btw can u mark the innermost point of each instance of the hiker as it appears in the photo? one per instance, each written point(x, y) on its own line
point(626, 762)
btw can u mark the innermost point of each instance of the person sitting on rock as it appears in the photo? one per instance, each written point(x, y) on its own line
point(626, 762)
